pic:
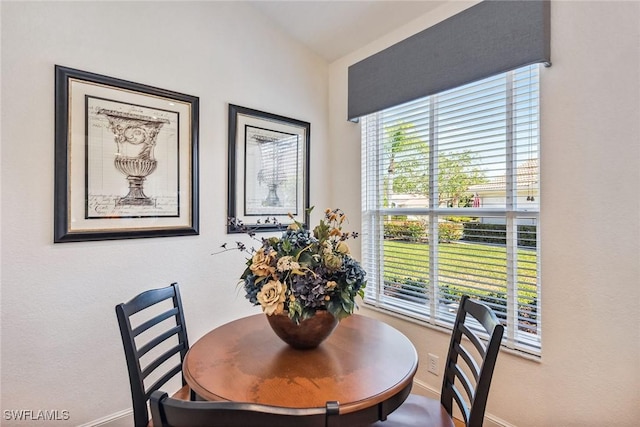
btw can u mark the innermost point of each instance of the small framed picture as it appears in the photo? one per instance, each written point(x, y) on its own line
point(268, 170)
point(126, 162)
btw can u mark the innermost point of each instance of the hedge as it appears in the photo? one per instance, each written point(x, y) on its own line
point(414, 231)
point(497, 234)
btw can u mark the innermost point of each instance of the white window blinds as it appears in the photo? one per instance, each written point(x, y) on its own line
point(451, 204)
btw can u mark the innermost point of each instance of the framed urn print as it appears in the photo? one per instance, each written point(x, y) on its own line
point(126, 162)
point(268, 170)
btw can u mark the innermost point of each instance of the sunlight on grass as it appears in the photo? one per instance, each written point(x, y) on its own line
point(461, 265)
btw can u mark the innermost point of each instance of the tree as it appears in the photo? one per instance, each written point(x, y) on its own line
point(457, 174)
point(408, 170)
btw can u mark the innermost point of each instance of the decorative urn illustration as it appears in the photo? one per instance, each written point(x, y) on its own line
point(270, 172)
point(135, 137)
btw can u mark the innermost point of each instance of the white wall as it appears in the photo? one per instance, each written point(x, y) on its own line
point(61, 348)
point(589, 374)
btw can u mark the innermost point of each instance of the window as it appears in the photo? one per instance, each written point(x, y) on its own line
point(451, 204)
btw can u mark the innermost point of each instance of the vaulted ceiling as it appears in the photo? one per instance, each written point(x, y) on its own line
point(335, 28)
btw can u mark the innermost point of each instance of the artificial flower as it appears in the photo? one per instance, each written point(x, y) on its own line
point(304, 271)
point(271, 297)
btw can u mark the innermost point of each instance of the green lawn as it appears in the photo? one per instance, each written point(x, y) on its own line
point(460, 265)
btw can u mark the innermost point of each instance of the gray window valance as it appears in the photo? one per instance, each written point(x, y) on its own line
point(489, 38)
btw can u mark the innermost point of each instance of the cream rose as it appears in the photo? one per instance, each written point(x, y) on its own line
point(342, 247)
point(271, 297)
point(260, 263)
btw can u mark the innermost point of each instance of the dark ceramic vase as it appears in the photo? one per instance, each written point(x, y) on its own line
point(309, 333)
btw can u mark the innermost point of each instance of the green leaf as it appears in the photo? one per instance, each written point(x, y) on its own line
point(247, 272)
point(261, 279)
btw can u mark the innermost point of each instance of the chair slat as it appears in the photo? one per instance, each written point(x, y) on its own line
point(161, 359)
point(484, 315)
point(464, 380)
point(470, 361)
point(148, 298)
point(163, 380)
point(479, 345)
point(152, 322)
point(157, 340)
point(462, 404)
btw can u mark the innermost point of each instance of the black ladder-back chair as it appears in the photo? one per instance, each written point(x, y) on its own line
point(168, 412)
point(169, 329)
point(472, 397)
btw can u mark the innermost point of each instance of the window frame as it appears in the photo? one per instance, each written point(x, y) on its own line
point(373, 213)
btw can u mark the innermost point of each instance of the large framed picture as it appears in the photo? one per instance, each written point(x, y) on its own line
point(268, 170)
point(126, 162)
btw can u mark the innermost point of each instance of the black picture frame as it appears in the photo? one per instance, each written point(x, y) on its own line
point(268, 180)
point(126, 159)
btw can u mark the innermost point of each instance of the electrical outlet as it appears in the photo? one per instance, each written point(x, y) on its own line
point(432, 363)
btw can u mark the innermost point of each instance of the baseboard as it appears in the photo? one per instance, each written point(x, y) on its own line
point(425, 389)
point(119, 419)
point(493, 421)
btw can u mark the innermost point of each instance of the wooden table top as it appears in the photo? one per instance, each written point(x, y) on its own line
point(365, 365)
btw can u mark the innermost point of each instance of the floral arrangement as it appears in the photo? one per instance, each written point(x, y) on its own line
point(303, 272)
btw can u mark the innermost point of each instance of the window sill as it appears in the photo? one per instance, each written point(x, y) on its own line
point(447, 331)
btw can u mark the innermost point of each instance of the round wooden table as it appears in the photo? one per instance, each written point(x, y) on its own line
point(365, 365)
